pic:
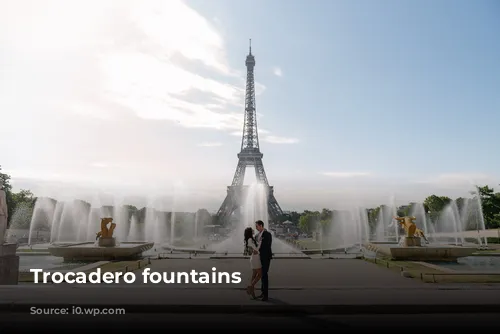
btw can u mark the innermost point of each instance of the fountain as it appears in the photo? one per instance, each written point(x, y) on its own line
point(450, 222)
point(152, 228)
point(417, 210)
point(43, 213)
point(75, 222)
point(348, 229)
point(120, 214)
point(104, 248)
point(135, 230)
point(471, 216)
point(254, 208)
point(385, 224)
point(411, 248)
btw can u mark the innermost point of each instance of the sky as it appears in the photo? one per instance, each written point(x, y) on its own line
point(359, 103)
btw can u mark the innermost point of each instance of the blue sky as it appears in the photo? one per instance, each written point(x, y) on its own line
point(380, 80)
point(357, 99)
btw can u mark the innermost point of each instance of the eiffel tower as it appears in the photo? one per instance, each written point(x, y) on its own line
point(249, 155)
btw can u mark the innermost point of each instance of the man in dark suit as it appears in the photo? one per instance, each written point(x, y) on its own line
point(265, 240)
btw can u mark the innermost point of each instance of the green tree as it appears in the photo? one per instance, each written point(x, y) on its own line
point(373, 217)
point(404, 210)
point(460, 203)
point(490, 205)
point(326, 225)
point(308, 222)
point(5, 181)
point(21, 219)
point(326, 215)
point(435, 204)
point(24, 196)
point(283, 218)
point(292, 217)
point(132, 209)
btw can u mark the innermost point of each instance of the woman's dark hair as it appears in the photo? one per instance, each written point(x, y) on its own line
point(249, 235)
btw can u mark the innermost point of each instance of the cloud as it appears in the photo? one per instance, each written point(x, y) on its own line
point(345, 175)
point(157, 59)
point(208, 144)
point(279, 140)
point(116, 83)
point(277, 72)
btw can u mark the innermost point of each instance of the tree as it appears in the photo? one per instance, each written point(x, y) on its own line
point(308, 222)
point(292, 217)
point(490, 205)
point(5, 181)
point(326, 215)
point(326, 225)
point(404, 210)
point(373, 217)
point(283, 218)
point(435, 204)
point(460, 203)
point(24, 196)
point(131, 211)
point(21, 219)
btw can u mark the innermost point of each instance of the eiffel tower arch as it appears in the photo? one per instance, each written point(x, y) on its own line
point(249, 156)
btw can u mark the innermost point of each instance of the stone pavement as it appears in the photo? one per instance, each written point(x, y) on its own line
point(311, 286)
point(225, 299)
point(304, 295)
point(295, 272)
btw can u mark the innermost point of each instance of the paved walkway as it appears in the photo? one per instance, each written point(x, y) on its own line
point(321, 286)
point(294, 272)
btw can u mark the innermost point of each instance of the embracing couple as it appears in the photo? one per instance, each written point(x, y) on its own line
point(259, 249)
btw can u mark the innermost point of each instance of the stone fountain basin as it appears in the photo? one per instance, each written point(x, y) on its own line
point(187, 249)
point(89, 251)
point(443, 253)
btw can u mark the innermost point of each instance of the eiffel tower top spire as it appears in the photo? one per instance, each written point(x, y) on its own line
point(250, 139)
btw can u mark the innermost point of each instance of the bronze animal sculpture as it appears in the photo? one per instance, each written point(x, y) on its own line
point(410, 227)
point(106, 232)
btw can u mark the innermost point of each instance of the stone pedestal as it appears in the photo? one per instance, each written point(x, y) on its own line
point(106, 242)
point(9, 264)
point(412, 242)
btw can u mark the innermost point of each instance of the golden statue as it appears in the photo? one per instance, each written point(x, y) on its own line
point(410, 227)
point(105, 231)
point(419, 233)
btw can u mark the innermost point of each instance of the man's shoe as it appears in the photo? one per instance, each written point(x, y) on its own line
point(260, 296)
point(265, 299)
